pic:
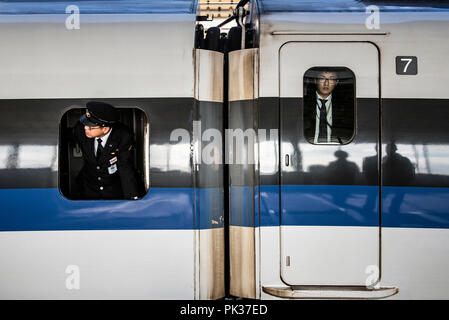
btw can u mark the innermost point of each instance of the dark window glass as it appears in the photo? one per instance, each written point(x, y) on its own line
point(333, 88)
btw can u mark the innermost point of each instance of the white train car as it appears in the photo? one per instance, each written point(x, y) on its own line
point(139, 57)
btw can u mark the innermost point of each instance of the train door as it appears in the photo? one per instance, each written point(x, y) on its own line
point(329, 175)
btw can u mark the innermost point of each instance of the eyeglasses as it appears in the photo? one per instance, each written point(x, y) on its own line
point(330, 80)
point(93, 128)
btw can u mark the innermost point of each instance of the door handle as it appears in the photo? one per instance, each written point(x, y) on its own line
point(77, 153)
point(287, 160)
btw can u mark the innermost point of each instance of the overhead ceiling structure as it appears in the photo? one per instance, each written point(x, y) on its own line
point(216, 9)
point(213, 12)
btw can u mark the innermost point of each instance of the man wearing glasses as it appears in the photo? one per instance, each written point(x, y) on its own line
point(108, 171)
point(326, 118)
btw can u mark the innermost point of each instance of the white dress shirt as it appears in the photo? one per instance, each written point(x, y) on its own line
point(328, 116)
point(103, 141)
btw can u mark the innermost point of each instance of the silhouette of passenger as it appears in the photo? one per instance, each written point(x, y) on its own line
point(397, 171)
point(341, 172)
point(371, 173)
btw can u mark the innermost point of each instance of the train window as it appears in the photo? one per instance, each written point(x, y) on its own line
point(118, 171)
point(333, 88)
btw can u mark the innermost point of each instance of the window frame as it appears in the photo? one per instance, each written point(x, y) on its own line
point(305, 86)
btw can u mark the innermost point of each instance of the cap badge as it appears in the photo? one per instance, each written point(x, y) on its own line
point(87, 114)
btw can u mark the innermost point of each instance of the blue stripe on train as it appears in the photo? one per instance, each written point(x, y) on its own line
point(328, 206)
point(211, 205)
point(241, 206)
point(407, 207)
point(172, 208)
point(413, 207)
point(161, 208)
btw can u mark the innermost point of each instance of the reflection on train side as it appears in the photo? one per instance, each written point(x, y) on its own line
point(29, 156)
point(402, 164)
point(160, 204)
point(328, 205)
point(26, 165)
point(356, 206)
point(330, 185)
point(170, 157)
point(166, 157)
point(268, 154)
point(416, 163)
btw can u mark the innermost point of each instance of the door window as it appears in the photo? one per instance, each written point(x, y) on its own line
point(329, 105)
point(73, 163)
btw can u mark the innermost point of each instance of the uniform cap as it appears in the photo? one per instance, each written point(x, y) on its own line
point(99, 114)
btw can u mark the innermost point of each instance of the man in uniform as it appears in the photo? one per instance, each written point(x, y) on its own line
point(108, 171)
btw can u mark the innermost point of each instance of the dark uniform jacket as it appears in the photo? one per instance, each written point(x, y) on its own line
point(342, 118)
point(113, 175)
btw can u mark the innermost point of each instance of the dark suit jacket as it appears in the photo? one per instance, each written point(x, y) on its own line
point(113, 176)
point(342, 118)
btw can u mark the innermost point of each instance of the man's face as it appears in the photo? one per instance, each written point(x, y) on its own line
point(95, 132)
point(325, 83)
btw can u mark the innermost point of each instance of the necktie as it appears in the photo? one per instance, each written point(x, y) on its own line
point(99, 148)
point(322, 137)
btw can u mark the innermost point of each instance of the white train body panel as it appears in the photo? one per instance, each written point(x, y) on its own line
point(124, 264)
